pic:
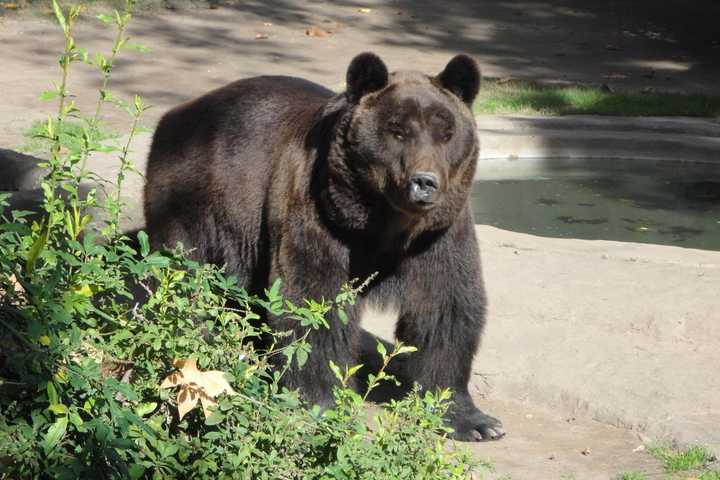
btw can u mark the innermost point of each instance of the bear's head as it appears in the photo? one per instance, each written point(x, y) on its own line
point(410, 139)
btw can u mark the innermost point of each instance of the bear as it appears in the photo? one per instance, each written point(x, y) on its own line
point(277, 177)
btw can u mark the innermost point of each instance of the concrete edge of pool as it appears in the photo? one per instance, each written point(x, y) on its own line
point(583, 136)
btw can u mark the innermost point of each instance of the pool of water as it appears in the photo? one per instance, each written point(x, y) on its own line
point(670, 203)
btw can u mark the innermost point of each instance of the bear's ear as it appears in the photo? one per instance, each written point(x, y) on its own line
point(366, 73)
point(462, 77)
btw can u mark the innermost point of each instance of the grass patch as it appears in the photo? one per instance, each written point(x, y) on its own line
point(714, 475)
point(693, 458)
point(498, 97)
point(632, 476)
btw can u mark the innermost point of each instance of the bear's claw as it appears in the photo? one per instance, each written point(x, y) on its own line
point(476, 427)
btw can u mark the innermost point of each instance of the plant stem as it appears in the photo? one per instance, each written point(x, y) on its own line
point(122, 26)
point(124, 166)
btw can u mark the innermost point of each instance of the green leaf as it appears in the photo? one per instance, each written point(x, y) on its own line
point(58, 408)
point(105, 18)
point(76, 419)
point(353, 370)
point(49, 95)
point(301, 356)
point(35, 250)
point(60, 17)
point(405, 349)
point(157, 260)
point(215, 418)
point(56, 431)
point(52, 394)
point(274, 291)
point(137, 47)
point(145, 408)
point(342, 316)
point(84, 290)
point(144, 243)
point(336, 370)
point(381, 349)
point(136, 471)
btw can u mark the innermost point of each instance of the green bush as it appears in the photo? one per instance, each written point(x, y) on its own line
point(92, 322)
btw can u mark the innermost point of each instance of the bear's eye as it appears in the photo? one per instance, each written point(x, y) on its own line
point(447, 136)
point(397, 131)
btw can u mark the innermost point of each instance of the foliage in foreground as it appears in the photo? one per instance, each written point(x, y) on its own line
point(92, 323)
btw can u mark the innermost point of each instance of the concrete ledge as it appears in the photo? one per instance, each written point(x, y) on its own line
point(688, 140)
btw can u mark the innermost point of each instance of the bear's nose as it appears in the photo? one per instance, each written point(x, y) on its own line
point(423, 186)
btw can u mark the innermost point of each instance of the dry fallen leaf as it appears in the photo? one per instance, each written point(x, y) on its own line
point(16, 285)
point(317, 32)
point(196, 385)
point(364, 10)
point(10, 6)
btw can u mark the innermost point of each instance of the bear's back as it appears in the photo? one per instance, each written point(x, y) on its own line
point(211, 162)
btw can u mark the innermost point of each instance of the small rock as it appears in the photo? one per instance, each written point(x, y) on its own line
point(317, 32)
point(261, 36)
point(586, 451)
point(639, 448)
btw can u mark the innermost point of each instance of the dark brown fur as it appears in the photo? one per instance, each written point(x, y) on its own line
point(277, 177)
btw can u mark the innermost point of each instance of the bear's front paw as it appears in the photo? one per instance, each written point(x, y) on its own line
point(475, 426)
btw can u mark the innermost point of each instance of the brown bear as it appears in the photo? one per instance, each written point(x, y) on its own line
point(278, 177)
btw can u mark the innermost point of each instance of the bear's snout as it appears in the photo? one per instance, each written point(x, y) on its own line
point(423, 188)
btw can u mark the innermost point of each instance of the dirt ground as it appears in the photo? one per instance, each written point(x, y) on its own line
point(668, 45)
point(584, 338)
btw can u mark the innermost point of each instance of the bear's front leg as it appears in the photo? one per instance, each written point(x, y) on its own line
point(446, 346)
point(315, 380)
point(443, 315)
point(313, 270)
